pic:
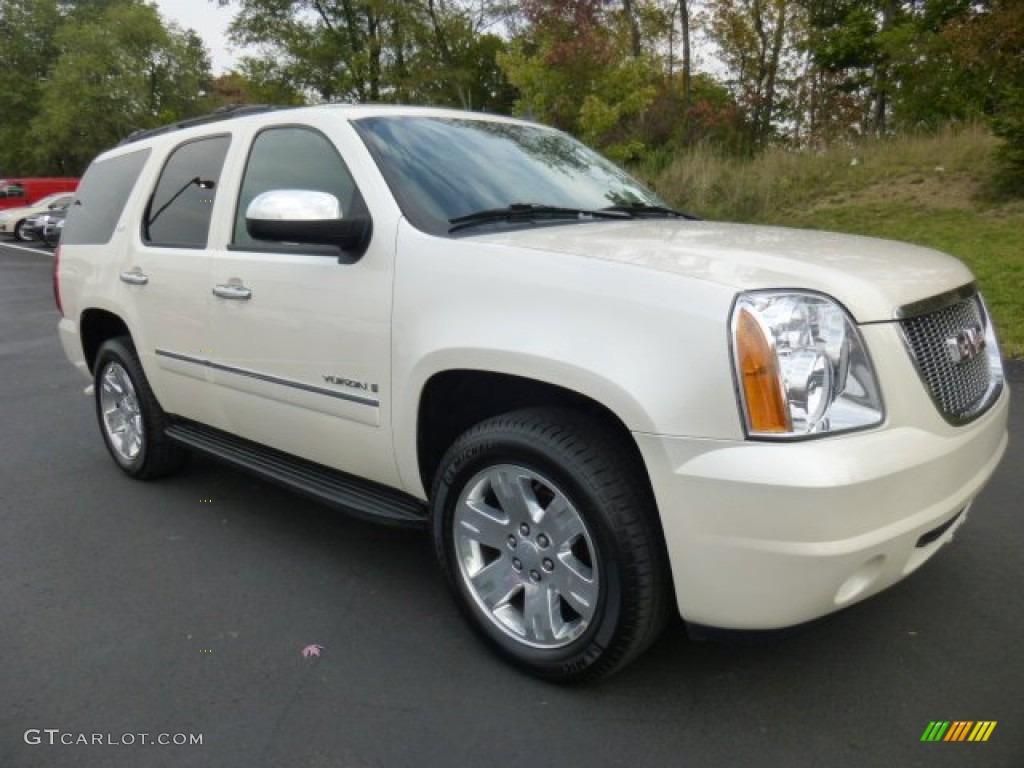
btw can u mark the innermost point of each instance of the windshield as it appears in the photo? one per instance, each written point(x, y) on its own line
point(441, 168)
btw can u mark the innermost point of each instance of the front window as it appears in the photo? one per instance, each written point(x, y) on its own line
point(442, 168)
point(292, 157)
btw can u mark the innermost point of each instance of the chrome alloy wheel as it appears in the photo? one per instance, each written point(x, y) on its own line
point(122, 418)
point(526, 556)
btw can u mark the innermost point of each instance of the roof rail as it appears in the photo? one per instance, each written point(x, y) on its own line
point(226, 112)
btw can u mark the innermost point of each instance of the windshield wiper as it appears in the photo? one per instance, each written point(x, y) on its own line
point(643, 209)
point(531, 212)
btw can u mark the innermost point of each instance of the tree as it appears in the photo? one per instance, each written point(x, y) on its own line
point(27, 52)
point(987, 43)
point(115, 73)
point(418, 51)
point(256, 81)
point(573, 65)
point(684, 31)
point(752, 37)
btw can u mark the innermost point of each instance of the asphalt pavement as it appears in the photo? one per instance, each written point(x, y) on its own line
point(182, 609)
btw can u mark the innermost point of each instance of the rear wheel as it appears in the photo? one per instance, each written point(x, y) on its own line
point(20, 233)
point(130, 418)
point(549, 538)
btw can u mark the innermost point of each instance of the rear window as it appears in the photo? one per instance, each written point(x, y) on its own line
point(101, 198)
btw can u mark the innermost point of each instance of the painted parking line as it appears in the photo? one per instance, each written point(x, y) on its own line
point(25, 248)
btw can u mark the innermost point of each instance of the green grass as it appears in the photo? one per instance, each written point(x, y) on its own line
point(929, 190)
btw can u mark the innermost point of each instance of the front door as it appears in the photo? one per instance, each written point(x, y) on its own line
point(301, 348)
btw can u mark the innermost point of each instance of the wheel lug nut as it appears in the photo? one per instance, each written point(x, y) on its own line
point(524, 529)
point(548, 564)
point(534, 576)
point(517, 564)
point(512, 542)
point(542, 541)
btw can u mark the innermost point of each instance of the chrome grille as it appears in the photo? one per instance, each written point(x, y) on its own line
point(961, 390)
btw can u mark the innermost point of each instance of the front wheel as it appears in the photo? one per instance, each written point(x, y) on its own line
point(547, 531)
point(21, 233)
point(130, 418)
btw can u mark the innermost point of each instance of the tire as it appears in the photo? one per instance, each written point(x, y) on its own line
point(130, 418)
point(19, 232)
point(549, 539)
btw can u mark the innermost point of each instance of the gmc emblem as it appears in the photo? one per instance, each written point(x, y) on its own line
point(966, 345)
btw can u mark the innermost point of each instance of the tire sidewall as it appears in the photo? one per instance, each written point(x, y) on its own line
point(115, 351)
point(477, 453)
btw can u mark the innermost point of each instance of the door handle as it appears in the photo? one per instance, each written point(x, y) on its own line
point(135, 277)
point(232, 290)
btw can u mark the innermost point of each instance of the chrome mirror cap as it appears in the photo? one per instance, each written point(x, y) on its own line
point(294, 205)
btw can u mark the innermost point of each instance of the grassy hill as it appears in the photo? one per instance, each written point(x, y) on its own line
point(930, 190)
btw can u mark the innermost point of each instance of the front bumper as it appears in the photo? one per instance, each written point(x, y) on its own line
point(769, 535)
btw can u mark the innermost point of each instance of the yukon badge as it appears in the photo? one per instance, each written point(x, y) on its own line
point(965, 345)
point(343, 382)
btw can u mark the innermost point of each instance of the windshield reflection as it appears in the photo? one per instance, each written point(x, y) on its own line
point(441, 168)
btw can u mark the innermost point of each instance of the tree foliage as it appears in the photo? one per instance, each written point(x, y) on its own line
point(987, 43)
point(420, 51)
point(754, 37)
point(607, 72)
point(80, 76)
point(27, 52)
point(639, 79)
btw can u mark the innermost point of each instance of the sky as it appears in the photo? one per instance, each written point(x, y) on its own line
point(210, 21)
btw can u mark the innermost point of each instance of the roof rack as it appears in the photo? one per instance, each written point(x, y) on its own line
point(226, 112)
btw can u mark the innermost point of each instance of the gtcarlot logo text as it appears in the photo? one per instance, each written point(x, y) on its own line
point(54, 736)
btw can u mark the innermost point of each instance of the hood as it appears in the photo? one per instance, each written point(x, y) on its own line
point(869, 276)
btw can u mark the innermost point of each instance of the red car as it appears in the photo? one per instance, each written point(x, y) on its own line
point(15, 193)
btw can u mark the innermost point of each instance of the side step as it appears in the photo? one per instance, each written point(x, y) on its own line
point(354, 495)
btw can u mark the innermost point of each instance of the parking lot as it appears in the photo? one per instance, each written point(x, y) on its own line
point(182, 608)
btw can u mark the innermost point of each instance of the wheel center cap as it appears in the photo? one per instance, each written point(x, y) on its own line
point(529, 555)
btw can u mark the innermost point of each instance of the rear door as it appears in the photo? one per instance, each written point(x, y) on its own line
point(164, 277)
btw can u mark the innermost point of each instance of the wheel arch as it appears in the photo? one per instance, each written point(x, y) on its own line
point(97, 326)
point(452, 401)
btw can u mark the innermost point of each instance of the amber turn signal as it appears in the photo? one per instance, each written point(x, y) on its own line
point(759, 371)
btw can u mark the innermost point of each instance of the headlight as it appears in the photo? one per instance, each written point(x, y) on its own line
point(801, 366)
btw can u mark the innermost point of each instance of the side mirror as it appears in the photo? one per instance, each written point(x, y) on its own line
point(305, 216)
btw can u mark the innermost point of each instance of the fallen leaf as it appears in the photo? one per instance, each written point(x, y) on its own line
point(312, 650)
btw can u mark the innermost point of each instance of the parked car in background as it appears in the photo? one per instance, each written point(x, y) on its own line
point(18, 193)
point(53, 228)
point(32, 227)
point(12, 221)
point(42, 225)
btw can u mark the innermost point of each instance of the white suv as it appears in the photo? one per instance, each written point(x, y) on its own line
point(599, 406)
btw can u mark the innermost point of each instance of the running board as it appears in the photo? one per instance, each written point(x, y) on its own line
point(358, 497)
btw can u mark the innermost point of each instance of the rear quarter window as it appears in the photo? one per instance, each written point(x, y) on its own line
point(101, 197)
